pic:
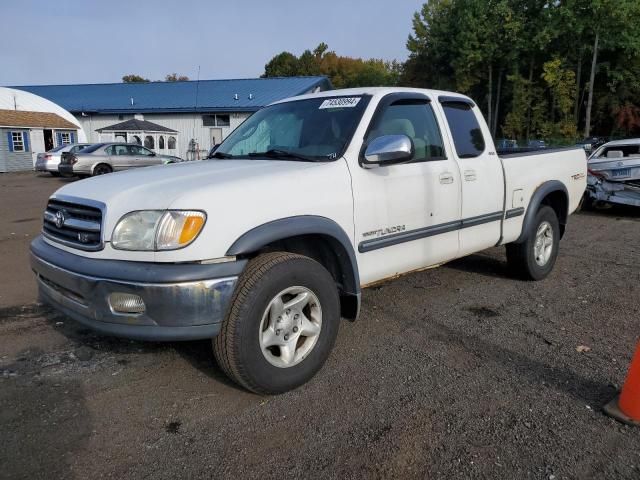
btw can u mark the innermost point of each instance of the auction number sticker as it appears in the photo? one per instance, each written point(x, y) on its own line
point(343, 102)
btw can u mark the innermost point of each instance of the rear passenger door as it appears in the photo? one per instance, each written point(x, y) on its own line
point(120, 157)
point(406, 214)
point(482, 178)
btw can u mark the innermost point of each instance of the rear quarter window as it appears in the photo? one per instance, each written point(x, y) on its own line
point(465, 129)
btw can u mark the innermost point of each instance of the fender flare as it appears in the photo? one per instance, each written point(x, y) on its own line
point(536, 199)
point(284, 228)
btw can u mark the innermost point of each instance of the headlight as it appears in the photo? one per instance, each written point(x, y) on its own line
point(154, 230)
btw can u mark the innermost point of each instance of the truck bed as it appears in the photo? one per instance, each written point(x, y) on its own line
point(525, 171)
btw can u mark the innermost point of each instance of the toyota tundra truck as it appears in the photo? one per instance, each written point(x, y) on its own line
point(267, 245)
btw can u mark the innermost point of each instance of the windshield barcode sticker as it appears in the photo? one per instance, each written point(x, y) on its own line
point(344, 102)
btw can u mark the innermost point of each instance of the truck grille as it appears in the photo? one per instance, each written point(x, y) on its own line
point(73, 224)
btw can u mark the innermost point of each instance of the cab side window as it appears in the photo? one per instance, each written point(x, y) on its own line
point(414, 118)
point(465, 129)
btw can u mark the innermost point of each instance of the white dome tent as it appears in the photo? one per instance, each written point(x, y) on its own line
point(29, 125)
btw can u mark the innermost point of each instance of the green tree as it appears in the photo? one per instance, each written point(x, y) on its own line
point(344, 72)
point(133, 78)
point(504, 54)
point(174, 77)
point(284, 64)
point(562, 87)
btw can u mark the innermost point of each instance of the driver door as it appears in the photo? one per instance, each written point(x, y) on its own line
point(406, 215)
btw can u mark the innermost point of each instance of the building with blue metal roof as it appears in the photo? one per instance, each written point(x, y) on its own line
point(202, 113)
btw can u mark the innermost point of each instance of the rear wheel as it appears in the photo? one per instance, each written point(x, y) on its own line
point(102, 169)
point(282, 323)
point(534, 258)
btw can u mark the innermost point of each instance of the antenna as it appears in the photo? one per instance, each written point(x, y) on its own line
point(197, 86)
point(196, 154)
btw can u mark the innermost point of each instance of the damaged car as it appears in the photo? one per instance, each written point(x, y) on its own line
point(614, 174)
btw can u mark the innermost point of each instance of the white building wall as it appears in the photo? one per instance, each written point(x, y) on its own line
point(188, 125)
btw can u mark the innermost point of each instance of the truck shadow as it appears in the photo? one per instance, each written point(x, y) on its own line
point(482, 264)
point(617, 211)
point(197, 354)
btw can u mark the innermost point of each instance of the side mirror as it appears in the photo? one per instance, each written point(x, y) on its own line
point(389, 149)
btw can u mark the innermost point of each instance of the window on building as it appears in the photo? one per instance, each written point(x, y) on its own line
point(222, 120)
point(465, 129)
point(65, 138)
point(148, 141)
point(120, 136)
point(171, 143)
point(17, 139)
point(161, 143)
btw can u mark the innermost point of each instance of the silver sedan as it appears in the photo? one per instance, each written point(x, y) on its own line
point(49, 161)
point(102, 158)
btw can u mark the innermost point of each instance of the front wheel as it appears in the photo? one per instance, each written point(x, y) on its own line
point(534, 258)
point(281, 325)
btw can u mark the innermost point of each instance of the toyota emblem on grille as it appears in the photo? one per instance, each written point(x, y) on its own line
point(60, 218)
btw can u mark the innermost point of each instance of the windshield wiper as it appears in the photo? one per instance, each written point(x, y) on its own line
point(221, 155)
point(282, 155)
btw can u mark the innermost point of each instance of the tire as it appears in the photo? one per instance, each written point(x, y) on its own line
point(55, 174)
point(531, 263)
point(102, 169)
point(250, 323)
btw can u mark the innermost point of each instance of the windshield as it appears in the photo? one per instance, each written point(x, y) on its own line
point(316, 129)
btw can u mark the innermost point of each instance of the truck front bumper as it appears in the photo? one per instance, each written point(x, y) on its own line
point(171, 301)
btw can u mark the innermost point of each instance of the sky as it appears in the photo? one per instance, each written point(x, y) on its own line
point(73, 41)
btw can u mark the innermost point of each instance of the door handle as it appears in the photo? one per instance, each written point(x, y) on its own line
point(470, 175)
point(446, 178)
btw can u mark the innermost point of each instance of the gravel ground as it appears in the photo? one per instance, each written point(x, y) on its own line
point(457, 372)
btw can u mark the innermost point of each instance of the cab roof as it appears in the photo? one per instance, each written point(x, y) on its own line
point(379, 92)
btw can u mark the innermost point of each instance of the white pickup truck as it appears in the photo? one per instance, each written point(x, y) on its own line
point(267, 245)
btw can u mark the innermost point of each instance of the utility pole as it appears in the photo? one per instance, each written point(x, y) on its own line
point(594, 60)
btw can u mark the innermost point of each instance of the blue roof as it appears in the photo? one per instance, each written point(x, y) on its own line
point(212, 95)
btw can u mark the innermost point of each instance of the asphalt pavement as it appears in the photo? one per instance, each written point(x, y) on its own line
point(455, 372)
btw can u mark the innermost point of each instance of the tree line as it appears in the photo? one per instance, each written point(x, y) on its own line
point(171, 77)
point(550, 69)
